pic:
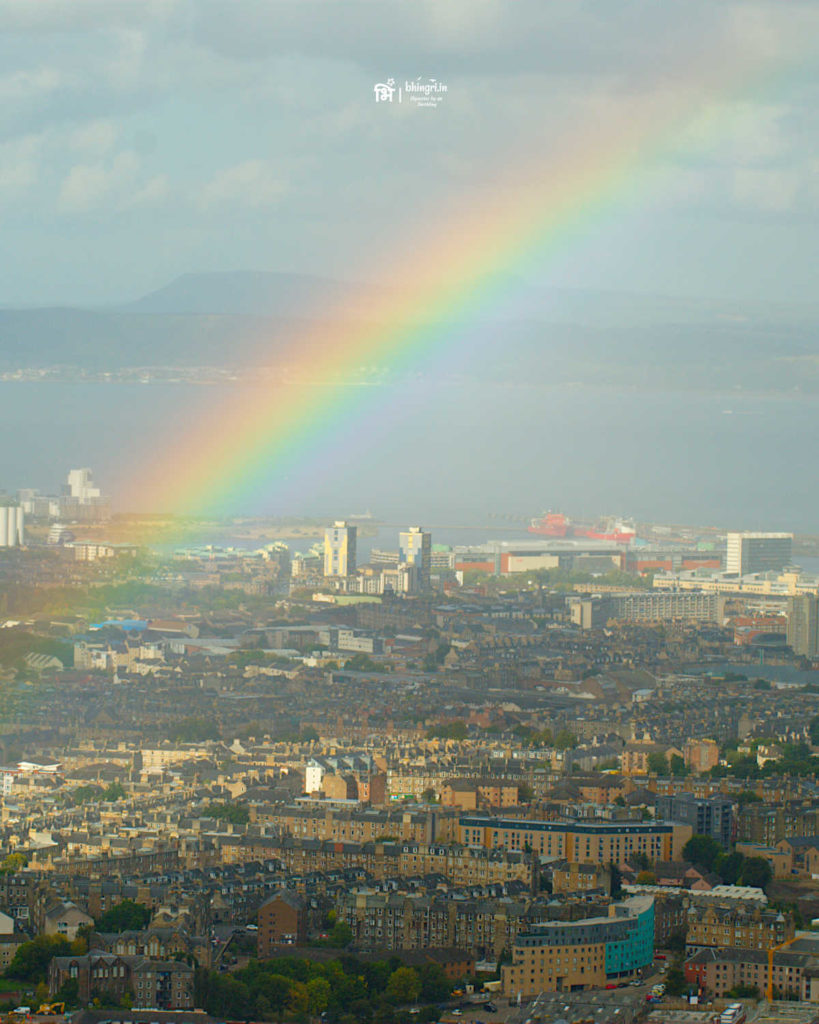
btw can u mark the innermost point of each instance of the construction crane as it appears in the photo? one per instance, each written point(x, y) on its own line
point(771, 951)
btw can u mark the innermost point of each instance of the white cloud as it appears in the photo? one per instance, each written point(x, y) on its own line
point(752, 133)
point(125, 69)
point(19, 165)
point(19, 86)
point(78, 15)
point(96, 138)
point(463, 22)
point(775, 191)
point(772, 32)
point(250, 183)
point(87, 186)
point(154, 191)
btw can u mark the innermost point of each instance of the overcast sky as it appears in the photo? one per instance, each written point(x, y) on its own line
point(143, 140)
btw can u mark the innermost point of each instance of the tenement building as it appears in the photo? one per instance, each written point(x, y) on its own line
point(600, 842)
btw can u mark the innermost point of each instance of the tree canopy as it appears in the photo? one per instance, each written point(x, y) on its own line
point(702, 851)
point(31, 959)
point(565, 740)
point(733, 868)
point(404, 986)
point(12, 863)
point(124, 917)
point(236, 814)
point(450, 731)
point(291, 987)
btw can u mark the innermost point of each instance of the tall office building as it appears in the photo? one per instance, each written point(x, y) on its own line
point(803, 625)
point(415, 546)
point(339, 549)
point(80, 485)
point(82, 499)
point(758, 552)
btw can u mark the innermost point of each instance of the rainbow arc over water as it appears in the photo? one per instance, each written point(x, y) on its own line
point(463, 261)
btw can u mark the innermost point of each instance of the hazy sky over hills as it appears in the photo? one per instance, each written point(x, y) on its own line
point(143, 140)
point(668, 149)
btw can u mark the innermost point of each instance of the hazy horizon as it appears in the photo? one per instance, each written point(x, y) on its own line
point(589, 252)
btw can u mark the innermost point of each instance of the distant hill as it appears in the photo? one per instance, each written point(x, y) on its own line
point(286, 295)
point(97, 341)
point(238, 320)
point(253, 293)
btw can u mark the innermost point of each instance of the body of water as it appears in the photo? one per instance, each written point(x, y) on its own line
point(448, 454)
point(759, 670)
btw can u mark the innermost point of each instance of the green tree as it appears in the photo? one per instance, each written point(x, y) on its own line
point(525, 793)
point(657, 764)
point(678, 766)
point(675, 983)
point(362, 662)
point(729, 867)
point(703, 851)
point(756, 871)
point(237, 814)
point(433, 661)
point(341, 936)
point(31, 959)
point(113, 792)
point(68, 993)
point(126, 916)
point(85, 794)
point(262, 1010)
point(196, 730)
point(646, 878)
point(565, 740)
point(404, 986)
point(743, 992)
point(12, 863)
point(298, 999)
point(451, 731)
point(435, 985)
point(813, 730)
point(318, 995)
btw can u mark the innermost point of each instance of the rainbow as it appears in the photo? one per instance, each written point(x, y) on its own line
point(521, 218)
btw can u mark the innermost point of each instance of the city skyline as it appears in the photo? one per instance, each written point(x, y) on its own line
point(409, 579)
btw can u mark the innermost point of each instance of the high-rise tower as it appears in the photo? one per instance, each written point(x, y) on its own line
point(339, 549)
point(415, 546)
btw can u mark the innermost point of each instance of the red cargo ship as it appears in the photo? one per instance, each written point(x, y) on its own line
point(555, 524)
